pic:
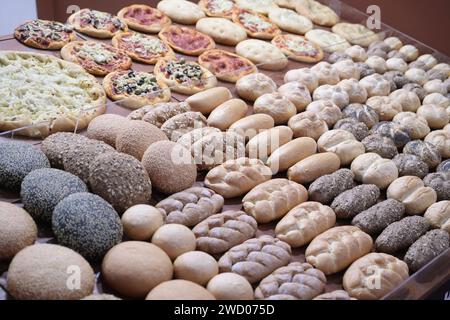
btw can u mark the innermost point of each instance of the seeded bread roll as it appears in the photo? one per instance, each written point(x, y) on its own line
point(382, 146)
point(438, 215)
point(440, 182)
point(427, 152)
point(342, 143)
point(426, 248)
point(220, 232)
point(303, 223)
point(358, 129)
point(272, 199)
point(256, 258)
point(378, 217)
point(412, 193)
point(314, 167)
point(337, 248)
point(352, 202)
point(374, 275)
point(328, 187)
point(394, 131)
point(444, 166)
point(191, 206)
point(105, 128)
point(410, 165)
point(362, 113)
point(401, 234)
point(370, 168)
point(296, 281)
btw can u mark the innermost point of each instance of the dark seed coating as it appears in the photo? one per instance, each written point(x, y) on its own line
point(417, 89)
point(44, 188)
point(383, 146)
point(351, 202)
point(401, 234)
point(87, 224)
point(440, 182)
point(397, 79)
point(17, 159)
point(120, 179)
point(364, 69)
point(428, 247)
point(338, 56)
point(392, 130)
point(427, 152)
point(358, 129)
point(55, 147)
point(328, 187)
point(377, 218)
point(361, 113)
point(444, 166)
point(410, 165)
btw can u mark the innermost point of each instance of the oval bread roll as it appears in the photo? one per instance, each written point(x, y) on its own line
point(305, 222)
point(264, 54)
point(227, 113)
point(181, 11)
point(374, 275)
point(290, 21)
point(337, 248)
point(412, 192)
point(370, 168)
point(271, 200)
point(262, 145)
point(341, 142)
point(252, 125)
point(252, 86)
point(292, 152)
point(314, 167)
point(222, 30)
point(206, 101)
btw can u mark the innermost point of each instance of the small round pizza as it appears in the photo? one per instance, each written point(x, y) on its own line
point(355, 33)
point(44, 34)
point(298, 48)
point(260, 6)
point(144, 18)
point(97, 24)
point(218, 8)
point(142, 48)
point(257, 25)
point(135, 89)
point(225, 65)
point(96, 58)
point(187, 40)
point(186, 77)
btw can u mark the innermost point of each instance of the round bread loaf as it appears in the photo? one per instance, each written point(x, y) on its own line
point(17, 230)
point(174, 239)
point(352, 202)
point(179, 290)
point(230, 286)
point(42, 272)
point(106, 127)
point(56, 146)
point(134, 268)
point(141, 221)
point(195, 266)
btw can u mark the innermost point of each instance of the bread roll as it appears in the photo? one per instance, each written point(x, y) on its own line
point(435, 115)
point(380, 145)
point(352, 202)
point(314, 167)
point(409, 100)
point(230, 286)
point(206, 101)
point(276, 106)
point(252, 86)
point(227, 113)
point(328, 187)
point(252, 125)
point(195, 266)
point(325, 110)
point(362, 113)
point(386, 107)
point(179, 290)
point(426, 152)
point(297, 93)
point(376, 85)
point(308, 124)
point(334, 295)
point(416, 125)
point(264, 54)
point(370, 168)
point(174, 239)
point(305, 76)
point(440, 182)
point(337, 248)
point(342, 143)
point(332, 93)
point(222, 30)
point(438, 215)
point(441, 140)
point(262, 145)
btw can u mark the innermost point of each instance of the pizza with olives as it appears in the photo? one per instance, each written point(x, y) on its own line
point(96, 57)
point(257, 25)
point(187, 40)
point(41, 94)
point(44, 34)
point(135, 89)
point(225, 65)
point(144, 18)
point(298, 48)
point(141, 47)
point(186, 77)
point(218, 8)
point(97, 24)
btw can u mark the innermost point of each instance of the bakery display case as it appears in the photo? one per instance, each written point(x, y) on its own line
point(417, 285)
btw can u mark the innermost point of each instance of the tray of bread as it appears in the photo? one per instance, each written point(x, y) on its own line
point(220, 149)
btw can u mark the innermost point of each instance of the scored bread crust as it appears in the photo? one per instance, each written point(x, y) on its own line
point(63, 122)
point(117, 41)
point(294, 56)
point(265, 35)
point(67, 53)
point(133, 101)
point(226, 14)
point(91, 31)
point(208, 80)
point(164, 35)
point(152, 28)
point(53, 45)
point(234, 75)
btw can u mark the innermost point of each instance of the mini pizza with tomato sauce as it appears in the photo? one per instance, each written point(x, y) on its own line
point(44, 34)
point(142, 48)
point(187, 40)
point(135, 89)
point(95, 57)
point(144, 18)
point(225, 65)
point(186, 77)
point(257, 25)
point(97, 24)
point(218, 8)
point(298, 48)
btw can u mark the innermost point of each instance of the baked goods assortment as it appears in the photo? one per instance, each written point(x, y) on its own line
point(255, 163)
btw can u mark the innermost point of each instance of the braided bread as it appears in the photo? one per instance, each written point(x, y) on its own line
point(304, 223)
point(191, 206)
point(271, 200)
point(177, 126)
point(236, 177)
point(296, 281)
point(256, 258)
point(222, 231)
point(337, 248)
point(374, 275)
